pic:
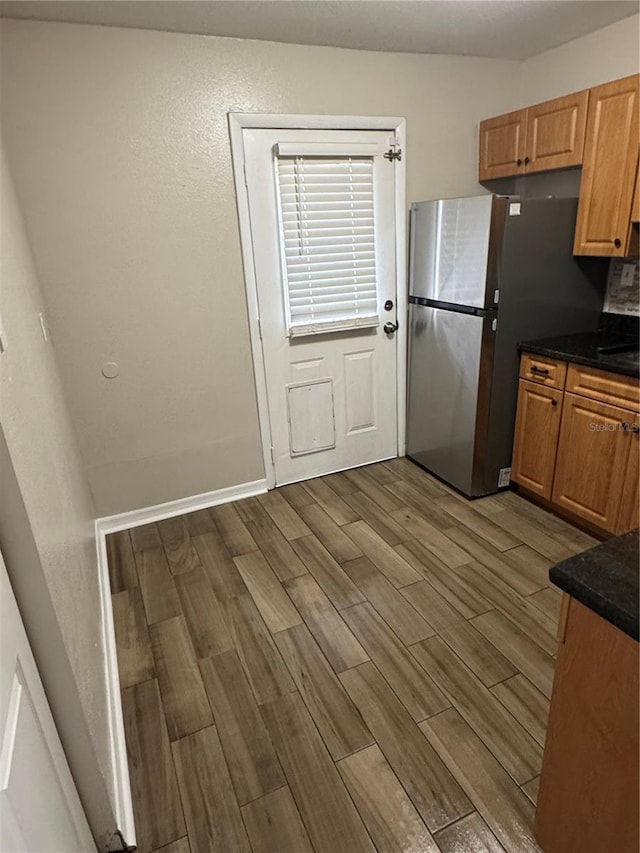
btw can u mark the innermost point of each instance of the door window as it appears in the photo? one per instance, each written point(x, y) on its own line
point(328, 242)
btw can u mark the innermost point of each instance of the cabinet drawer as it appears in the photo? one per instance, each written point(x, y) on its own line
point(546, 371)
point(606, 387)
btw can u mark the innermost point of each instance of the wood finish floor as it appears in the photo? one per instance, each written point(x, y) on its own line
point(360, 662)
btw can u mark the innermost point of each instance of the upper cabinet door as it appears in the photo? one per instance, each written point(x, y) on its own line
point(555, 133)
point(502, 144)
point(610, 158)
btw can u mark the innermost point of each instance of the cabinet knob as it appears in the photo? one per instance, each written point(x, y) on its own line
point(554, 402)
point(518, 162)
point(527, 160)
point(617, 242)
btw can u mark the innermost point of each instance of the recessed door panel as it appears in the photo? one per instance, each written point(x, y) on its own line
point(359, 389)
point(311, 417)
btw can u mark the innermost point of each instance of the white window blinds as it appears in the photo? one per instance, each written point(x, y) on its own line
point(328, 242)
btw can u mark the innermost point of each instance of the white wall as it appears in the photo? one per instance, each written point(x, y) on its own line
point(608, 54)
point(45, 458)
point(119, 144)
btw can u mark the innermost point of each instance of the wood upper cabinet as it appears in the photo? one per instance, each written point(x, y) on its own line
point(591, 465)
point(502, 143)
point(609, 169)
point(539, 138)
point(555, 133)
point(536, 437)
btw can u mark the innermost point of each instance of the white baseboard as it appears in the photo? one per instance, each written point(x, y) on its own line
point(111, 524)
point(148, 514)
point(123, 804)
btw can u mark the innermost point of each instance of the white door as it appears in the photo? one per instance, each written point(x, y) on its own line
point(322, 213)
point(40, 811)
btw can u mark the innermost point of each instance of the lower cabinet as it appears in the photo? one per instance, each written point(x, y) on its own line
point(592, 460)
point(536, 438)
point(588, 796)
point(577, 450)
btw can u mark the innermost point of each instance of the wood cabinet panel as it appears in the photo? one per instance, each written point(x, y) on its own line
point(629, 516)
point(536, 437)
point(588, 797)
point(547, 371)
point(635, 209)
point(502, 144)
point(603, 386)
point(555, 133)
point(591, 462)
point(610, 158)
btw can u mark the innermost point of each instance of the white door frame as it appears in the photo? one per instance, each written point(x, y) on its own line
point(395, 126)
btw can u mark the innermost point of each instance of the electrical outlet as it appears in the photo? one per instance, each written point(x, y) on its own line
point(627, 275)
point(504, 477)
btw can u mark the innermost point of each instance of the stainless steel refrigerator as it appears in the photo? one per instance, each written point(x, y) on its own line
point(486, 272)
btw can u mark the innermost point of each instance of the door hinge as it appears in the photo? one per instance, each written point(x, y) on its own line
point(244, 171)
point(392, 155)
point(260, 328)
point(271, 454)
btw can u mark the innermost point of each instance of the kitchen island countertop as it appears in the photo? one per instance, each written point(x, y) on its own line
point(605, 579)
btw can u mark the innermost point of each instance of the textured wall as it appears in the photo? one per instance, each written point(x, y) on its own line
point(119, 145)
point(40, 440)
point(607, 54)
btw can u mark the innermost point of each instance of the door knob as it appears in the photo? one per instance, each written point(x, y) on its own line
point(390, 328)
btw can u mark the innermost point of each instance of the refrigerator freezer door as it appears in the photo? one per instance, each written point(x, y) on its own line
point(450, 365)
point(464, 230)
point(424, 242)
point(455, 247)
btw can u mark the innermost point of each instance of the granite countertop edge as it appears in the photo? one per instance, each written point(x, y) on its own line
point(605, 579)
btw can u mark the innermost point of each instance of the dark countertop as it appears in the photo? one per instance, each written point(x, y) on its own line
point(581, 348)
point(605, 579)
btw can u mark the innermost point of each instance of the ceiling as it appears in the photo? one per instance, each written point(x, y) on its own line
point(508, 29)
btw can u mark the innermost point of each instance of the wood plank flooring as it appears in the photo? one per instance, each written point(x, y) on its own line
point(359, 662)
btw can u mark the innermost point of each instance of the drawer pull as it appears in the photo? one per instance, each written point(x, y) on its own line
point(541, 371)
